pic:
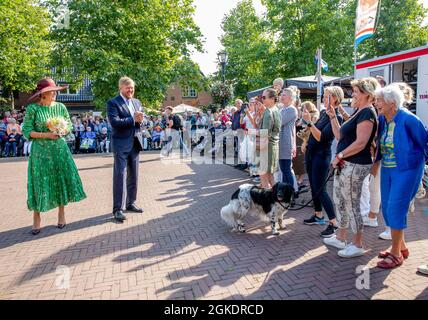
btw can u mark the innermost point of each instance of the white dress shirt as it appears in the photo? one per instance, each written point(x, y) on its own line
point(129, 104)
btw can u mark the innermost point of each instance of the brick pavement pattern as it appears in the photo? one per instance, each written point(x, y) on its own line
point(179, 248)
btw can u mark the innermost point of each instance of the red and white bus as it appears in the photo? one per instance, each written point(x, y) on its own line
point(410, 66)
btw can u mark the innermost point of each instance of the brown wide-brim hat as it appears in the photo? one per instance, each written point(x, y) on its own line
point(46, 85)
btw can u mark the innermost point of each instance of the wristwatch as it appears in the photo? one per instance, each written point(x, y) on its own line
point(340, 155)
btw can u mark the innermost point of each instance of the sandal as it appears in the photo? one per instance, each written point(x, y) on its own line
point(384, 254)
point(61, 226)
point(393, 262)
point(35, 232)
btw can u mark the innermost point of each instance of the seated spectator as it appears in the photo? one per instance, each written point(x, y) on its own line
point(12, 124)
point(12, 143)
point(26, 146)
point(96, 126)
point(89, 134)
point(91, 123)
point(3, 135)
point(14, 114)
point(71, 141)
point(88, 140)
point(156, 137)
point(104, 141)
point(20, 117)
point(6, 117)
point(224, 117)
point(103, 124)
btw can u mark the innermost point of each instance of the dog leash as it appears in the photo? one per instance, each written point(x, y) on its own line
point(331, 174)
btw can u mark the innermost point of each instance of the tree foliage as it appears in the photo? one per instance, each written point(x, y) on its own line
point(249, 48)
point(24, 46)
point(284, 41)
point(107, 39)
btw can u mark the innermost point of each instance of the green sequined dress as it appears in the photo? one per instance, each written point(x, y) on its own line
point(53, 179)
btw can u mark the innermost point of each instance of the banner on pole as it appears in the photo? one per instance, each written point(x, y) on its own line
point(366, 20)
point(324, 65)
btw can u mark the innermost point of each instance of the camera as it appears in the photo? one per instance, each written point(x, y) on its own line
point(244, 107)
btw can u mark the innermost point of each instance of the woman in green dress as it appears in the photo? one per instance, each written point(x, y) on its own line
point(269, 139)
point(53, 180)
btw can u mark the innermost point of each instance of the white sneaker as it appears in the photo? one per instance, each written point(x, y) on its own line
point(351, 252)
point(386, 235)
point(332, 241)
point(369, 222)
point(423, 269)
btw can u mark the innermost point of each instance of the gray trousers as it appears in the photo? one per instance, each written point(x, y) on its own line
point(125, 178)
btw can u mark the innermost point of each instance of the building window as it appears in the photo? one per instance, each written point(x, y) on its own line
point(189, 92)
point(172, 98)
point(69, 90)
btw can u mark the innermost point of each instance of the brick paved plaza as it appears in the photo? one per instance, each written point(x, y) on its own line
point(179, 248)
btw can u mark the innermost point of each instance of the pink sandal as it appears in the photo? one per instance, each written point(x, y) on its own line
point(390, 262)
point(384, 254)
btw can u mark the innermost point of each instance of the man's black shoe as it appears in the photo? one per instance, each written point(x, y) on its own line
point(134, 208)
point(119, 216)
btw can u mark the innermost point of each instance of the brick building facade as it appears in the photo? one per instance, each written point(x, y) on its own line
point(186, 95)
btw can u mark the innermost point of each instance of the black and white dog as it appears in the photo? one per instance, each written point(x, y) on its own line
point(266, 204)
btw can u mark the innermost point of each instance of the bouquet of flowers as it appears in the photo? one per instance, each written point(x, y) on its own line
point(58, 125)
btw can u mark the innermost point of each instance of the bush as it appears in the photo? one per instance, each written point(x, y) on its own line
point(221, 92)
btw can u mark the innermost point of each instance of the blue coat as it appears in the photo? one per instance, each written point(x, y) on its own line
point(123, 127)
point(410, 140)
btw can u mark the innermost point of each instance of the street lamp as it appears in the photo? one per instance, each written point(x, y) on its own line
point(222, 58)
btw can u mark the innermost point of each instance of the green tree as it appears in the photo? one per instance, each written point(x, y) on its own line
point(24, 46)
point(188, 73)
point(250, 49)
point(144, 40)
point(302, 26)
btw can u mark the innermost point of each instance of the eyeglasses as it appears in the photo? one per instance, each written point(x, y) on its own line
point(264, 98)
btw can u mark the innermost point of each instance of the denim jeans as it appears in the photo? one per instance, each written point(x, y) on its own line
point(7, 148)
point(287, 175)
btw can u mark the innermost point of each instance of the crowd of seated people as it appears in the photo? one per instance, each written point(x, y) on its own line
point(12, 142)
point(92, 134)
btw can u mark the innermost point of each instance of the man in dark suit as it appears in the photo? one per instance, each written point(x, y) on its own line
point(125, 115)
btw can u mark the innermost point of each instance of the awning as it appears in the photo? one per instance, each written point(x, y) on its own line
point(181, 108)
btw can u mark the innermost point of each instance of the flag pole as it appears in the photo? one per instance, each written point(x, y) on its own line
point(319, 75)
point(355, 58)
point(355, 41)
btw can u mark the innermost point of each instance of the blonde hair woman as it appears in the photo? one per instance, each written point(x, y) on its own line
point(269, 139)
point(305, 133)
point(354, 160)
